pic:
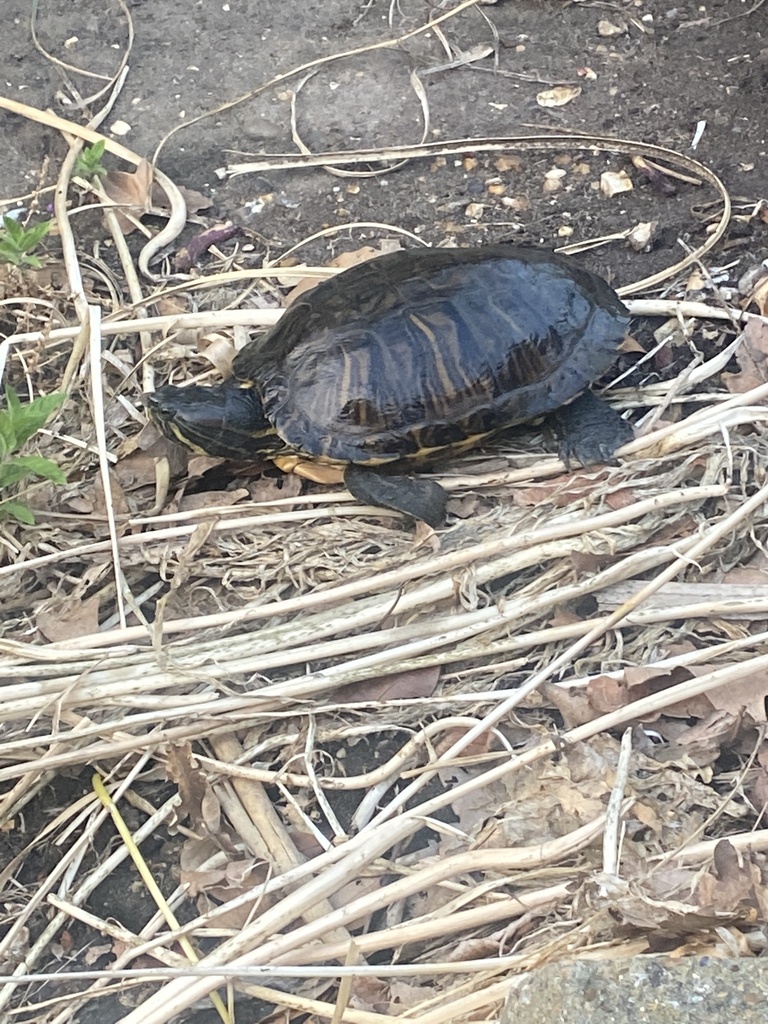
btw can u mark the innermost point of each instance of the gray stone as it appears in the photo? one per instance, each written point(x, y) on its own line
point(642, 990)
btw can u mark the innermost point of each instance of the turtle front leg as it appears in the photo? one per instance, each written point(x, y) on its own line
point(590, 431)
point(421, 499)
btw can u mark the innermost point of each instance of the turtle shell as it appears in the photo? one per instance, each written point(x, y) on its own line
point(431, 349)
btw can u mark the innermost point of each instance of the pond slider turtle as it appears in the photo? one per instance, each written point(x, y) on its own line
point(410, 354)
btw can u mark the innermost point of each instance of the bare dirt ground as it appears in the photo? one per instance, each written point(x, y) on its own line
point(671, 67)
point(88, 689)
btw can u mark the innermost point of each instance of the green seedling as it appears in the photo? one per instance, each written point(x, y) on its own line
point(17, 242)
point(18, 422)
point(88, 164)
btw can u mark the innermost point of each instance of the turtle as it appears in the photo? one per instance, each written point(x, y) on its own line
point(414, 354)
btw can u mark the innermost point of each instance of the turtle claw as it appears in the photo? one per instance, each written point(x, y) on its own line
point(590, 431)
point(420, 499)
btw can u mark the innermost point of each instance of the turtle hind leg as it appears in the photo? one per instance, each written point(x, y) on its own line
point(590, 431)
point(421, 499)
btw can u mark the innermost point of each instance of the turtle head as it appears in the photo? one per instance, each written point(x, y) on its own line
point(226, 421)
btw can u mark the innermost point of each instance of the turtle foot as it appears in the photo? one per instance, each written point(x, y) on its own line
point(421, 499)
point(590, 431)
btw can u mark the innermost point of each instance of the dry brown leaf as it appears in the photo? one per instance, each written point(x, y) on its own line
point(758, 784)
point(482, 744)
point(183, 768)
point(558, 96)
point(399, 686)
point(734, 885)
point(648, 815)
point(385, 996)
point(748, 695)
point(561, 490)
point(212, 499)
point(751, 357)
point(661, 902)
point(573, 705)
point(704, 741)
point(139, 468)
point(354, 889)
point(171, 306)
point(132, 191)
point(218, 349)
point(117, 499)
point(343, 260)
point(95, 952)
point(630, 344)
point(199, 465)
point(194, 201)
point(69, 619)
point(270, 487)
point(607, 694)
point(210, 811)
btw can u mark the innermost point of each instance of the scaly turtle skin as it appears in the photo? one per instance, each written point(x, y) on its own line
point(412, 353)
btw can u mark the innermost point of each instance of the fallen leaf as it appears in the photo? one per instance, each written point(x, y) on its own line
point(130, 190)
point(752, 357)
point(630, 344)
point(68, 619)
point(759, 297)
point(558, 96)
point(748, 695)
point(193, 200)
point(269, 487)
point(212, 499)
point(572, 705)
point(219, 350)
point(139, 468)
point(343, 261)
point(399, 686)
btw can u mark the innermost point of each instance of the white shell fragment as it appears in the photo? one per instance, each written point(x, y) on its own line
point(614, 182)
point(558, 96)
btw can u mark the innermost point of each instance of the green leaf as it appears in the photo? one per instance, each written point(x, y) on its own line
point(21, 466)
point(13, 229)
point(18, 510)
point(17, 242)
point(8, 255)
point(88, 163)
point(7, 436)
point(27, 418)
point(34, 235)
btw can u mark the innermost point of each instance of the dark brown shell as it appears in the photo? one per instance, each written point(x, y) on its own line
point(431, 349)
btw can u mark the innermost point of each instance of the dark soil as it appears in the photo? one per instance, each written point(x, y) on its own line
point(675, 65)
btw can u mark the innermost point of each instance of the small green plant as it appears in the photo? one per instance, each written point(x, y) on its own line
point(18, 422)
point(89, 164)
point(17, 242)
